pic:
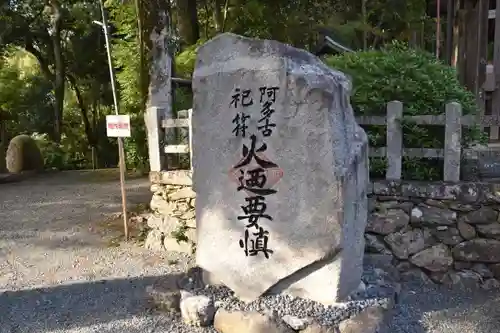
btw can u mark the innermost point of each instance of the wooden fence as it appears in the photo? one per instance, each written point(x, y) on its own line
point(452, 152)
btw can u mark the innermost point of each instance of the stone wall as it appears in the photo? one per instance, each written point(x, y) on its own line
point(173, 225)
point(446, 233)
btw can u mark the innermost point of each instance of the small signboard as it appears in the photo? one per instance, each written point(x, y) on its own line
point(118, 126)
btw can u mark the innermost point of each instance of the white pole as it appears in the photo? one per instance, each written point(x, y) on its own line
point(121, 152)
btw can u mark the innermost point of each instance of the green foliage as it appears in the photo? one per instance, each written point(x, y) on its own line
point(423, 84)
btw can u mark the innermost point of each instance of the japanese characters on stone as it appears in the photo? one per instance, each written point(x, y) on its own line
point(255, 173)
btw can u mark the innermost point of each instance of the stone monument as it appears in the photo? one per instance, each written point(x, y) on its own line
point(280, 170)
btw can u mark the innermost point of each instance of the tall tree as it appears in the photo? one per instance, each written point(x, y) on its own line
point(187, 20)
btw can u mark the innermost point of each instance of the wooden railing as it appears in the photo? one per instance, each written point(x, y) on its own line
point(452, 152)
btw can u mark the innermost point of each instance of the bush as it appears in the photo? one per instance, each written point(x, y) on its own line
point(70, 154)
point(23, 154)
point(423, 84)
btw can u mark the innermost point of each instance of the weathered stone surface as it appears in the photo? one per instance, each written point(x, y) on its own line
point(435, 259)
point(482, 270)
point(159, 204)
point(319, 210)
point(165, 298)
point(478, 250)
point(247, 322)
point(495, 269)
point(466, 230)
point(491, 284)
point(375, 245)
point(491, 230)
point(416, 274)
point(173, 244)
point(447, 235)
point(404, 244)
point(460, 265)
point(484, 215)
point(196, 310)
point(176, 177)
point(183, 193)
point(165, 224)
point(154, 241)
point(388, 222)
point(296, 323)
point(429, 215)
point(370, 320)
point(317, 328)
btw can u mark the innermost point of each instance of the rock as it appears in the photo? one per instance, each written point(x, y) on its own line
point(465, 208)
point(490, 284)
point(370, 320)
point(482, 270)
point(374, 245)
point(189, 215)
point(317, 212)
point(462, 279)
point(448, 235)
point(484, 215)
point(466, 230)
point(164, 298)
point(491, 230)
point(495, 269)
point(435, 259)
point(296, 323)
point(317, 328)
point(183, 193)
point(197, 310)
point(416, 274)
point(460, 265)
point(154, 241)
point(175, 245)
point(387, 223)
point(165, 224)
point(436, 203)
point(404, 244)
point(432, 216)
point(247, 322)
point(160, 205)
point(478, 250)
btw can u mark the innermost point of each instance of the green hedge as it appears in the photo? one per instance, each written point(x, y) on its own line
point(423, 84)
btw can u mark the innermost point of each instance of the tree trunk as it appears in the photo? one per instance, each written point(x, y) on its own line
point(59, 66)
point(89, 131)
point(189, 28)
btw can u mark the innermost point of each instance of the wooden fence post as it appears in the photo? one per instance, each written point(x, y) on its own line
point(190, 138)
point(153, 120)
point(452, 144)
point(394, 140)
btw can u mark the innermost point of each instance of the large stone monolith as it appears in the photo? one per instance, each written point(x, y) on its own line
point(280, 171)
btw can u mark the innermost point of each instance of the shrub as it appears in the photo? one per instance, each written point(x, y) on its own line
point(23, 154)
point(423, 84)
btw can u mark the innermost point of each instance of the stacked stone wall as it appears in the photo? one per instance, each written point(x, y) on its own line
point(439, 232)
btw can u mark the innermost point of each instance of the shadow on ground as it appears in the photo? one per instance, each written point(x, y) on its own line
point(78, 305)
point(438, 309)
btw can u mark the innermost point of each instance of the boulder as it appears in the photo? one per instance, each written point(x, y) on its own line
point(23, 154)
point(280, 171)
point(478, 250)
point(435, 259)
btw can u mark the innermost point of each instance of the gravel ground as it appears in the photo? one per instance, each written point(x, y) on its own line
point(437, 309)
point(58, 274)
